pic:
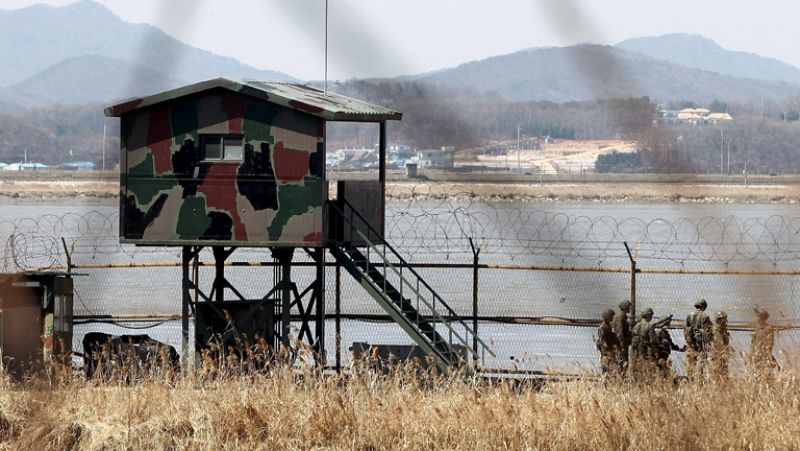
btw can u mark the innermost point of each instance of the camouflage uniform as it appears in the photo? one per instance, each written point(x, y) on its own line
point(761, 345)
point(720, 345)
point(698, 337)
point(608, 345)
point(643, 355)
point(663, 345)
point(622, 328)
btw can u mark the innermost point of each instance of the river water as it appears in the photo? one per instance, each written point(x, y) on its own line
point(584, 235)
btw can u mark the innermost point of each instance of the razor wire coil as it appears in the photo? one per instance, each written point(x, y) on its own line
point(443, 227)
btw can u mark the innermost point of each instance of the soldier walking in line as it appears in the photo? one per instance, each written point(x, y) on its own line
point(697, 333)
point(643, 356)
point(663, 345)
point(622, 328)
point(720, 345)
point(761, 344)
point(608, 345)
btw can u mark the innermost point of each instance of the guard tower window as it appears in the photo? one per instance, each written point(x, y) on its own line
point(222, 147)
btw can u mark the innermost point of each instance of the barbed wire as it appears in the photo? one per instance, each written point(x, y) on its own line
point(425, 227)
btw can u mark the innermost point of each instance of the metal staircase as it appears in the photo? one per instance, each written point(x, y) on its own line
point(401, 291)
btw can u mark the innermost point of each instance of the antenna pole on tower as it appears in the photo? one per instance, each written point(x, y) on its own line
point(325, 82)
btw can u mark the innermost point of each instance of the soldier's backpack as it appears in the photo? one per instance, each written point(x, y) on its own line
point(694, 330)
point(641, 338)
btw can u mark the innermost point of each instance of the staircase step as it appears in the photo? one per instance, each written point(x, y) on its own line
point(426, 333)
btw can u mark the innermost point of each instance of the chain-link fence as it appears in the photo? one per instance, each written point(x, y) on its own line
point(543, 276)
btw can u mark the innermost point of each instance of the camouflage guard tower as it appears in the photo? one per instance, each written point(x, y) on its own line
point(227, 164)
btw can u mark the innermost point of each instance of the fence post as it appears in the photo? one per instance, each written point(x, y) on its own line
point(634, 270)
point(186, 257)
point(476, 251)
point(67, 253)
point(338, 318)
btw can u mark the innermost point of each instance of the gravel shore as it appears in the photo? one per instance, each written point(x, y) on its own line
point(601, 192)
point(517, 192)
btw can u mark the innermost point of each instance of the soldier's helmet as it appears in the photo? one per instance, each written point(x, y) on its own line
point(721, 315)
point(608, 313)
point(701, 304)
point(761, 313)
point(647, 313)
point(625, 305)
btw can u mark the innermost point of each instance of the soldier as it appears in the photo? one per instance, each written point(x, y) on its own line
point(608, 345)
point(663, 345)
point(720, 345)
point(697, 333)
point(761, 344)
point(643, 356)
point(622, 328)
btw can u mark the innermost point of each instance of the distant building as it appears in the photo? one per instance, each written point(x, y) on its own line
point(694, 116)
point(79, 165)
point(332, 159)
point(399, 154)
point(434, 158)
point(668, 116)
point(716, 118)
point(362, 158)
point(25, 166)
point(30, 166)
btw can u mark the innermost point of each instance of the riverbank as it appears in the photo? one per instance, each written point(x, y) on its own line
point(34, 189)
point(601, 192)
point(77, 190)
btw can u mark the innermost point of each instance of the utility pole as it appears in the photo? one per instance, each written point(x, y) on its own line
point(519, 149)
point(729, 158)
point(722, 151)
point(745, 174)
point(104, 144)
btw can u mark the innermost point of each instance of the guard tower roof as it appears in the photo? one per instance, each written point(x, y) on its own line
point(326, 105)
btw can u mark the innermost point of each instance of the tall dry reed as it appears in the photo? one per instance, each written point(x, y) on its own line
point(408, 409)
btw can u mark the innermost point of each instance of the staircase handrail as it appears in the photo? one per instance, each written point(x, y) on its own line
point(405, 264)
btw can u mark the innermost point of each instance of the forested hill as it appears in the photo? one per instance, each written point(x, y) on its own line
point(699, 52)
point(435, 116)
point(588, 72)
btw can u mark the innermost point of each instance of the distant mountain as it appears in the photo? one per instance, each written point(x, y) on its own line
point(89, 79)
point(702, 53)
point(7, 104)
point(587, 71)
point(35, 40)
point(83, 52)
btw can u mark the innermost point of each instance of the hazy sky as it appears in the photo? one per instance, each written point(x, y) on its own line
point(385, 38)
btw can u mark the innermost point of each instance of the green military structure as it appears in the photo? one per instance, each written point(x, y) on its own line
point(228, 164)
point(234, 163)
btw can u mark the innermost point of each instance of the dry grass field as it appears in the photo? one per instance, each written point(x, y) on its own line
point(283, 409)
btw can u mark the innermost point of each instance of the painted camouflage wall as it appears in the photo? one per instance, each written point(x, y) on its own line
point(273, 196)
